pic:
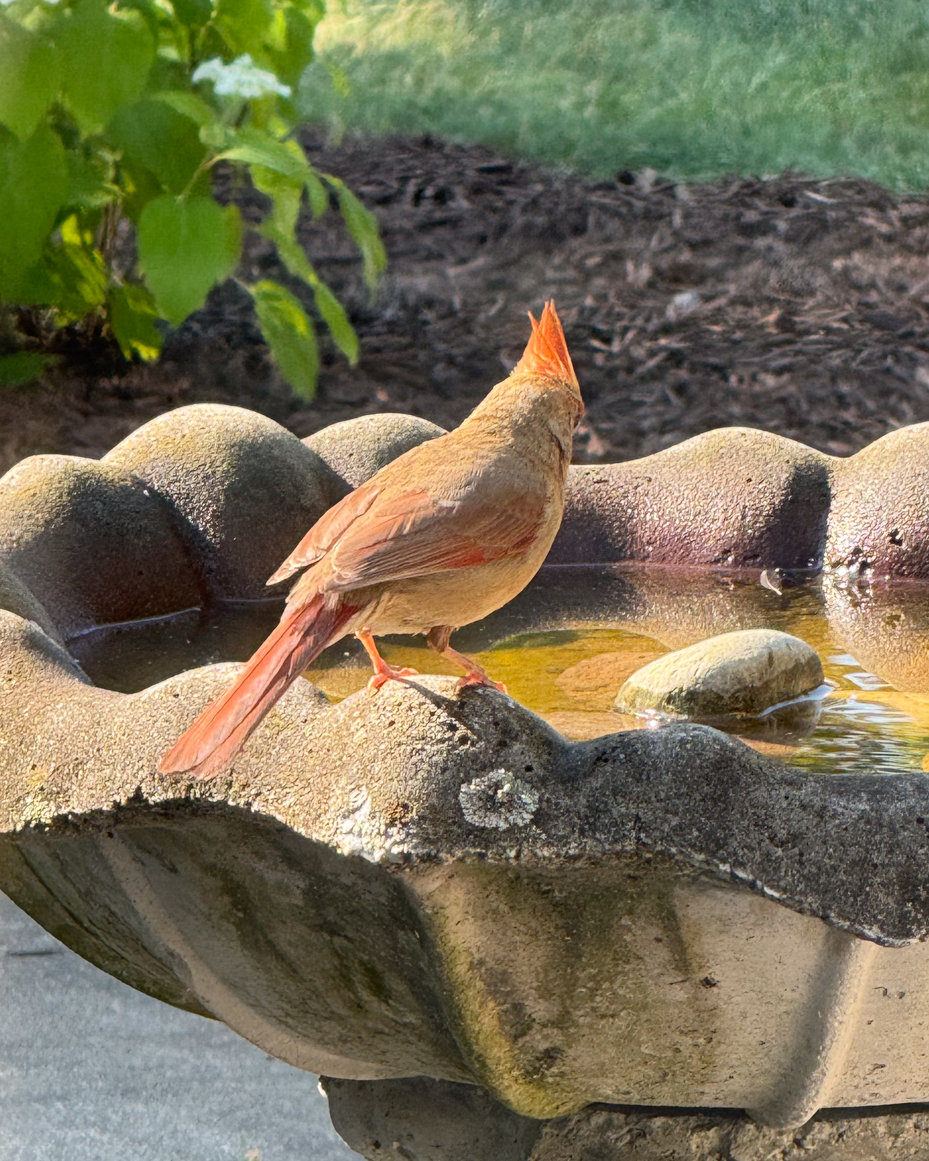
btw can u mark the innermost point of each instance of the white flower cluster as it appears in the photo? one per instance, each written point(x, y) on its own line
point(242, 78)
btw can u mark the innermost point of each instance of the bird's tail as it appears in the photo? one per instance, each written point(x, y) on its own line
point(218, 733)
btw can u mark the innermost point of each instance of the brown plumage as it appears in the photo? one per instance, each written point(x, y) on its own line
point(440, 537)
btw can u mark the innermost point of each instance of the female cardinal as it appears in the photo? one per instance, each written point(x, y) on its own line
point(440, 537)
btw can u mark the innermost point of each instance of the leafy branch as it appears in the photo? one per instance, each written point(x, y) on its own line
point(116, 113)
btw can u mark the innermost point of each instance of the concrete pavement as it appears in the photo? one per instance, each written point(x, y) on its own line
point(91, 1070)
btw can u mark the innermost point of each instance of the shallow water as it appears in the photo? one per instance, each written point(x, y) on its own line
point(566, 645)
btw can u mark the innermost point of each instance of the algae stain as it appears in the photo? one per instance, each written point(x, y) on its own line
point(532, 666)
point(564, 1010)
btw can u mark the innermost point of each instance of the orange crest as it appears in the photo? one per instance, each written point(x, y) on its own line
point(546, 352)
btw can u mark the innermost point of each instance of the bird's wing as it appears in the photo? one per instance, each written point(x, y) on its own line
point(326, 531)
point(415, 533)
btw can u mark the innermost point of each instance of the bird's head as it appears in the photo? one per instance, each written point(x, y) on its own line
point(546, 357)
point(540, 394)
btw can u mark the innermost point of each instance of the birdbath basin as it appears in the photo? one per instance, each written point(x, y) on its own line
point(522, 893)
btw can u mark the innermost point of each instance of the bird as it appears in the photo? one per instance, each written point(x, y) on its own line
point(439, 538)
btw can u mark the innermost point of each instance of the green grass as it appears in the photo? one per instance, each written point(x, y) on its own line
point(692, 88)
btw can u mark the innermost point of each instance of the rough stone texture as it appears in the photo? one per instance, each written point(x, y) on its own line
point(745, 672)
point(334, 903)
point(877, 523)
point(734, 498)
point(91, 543)
point(603, 1134)
point(473, 897)
point(242, 489)
point(357, 448)
point(16, 598)
point(425, 1120)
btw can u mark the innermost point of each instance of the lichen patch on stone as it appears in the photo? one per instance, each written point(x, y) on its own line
point(499, 800)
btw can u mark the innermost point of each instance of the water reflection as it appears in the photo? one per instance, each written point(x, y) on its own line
point(567, 643)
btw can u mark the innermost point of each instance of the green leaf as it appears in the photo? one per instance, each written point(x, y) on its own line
point(151, 12)
point(37, 287)
point(33, 185)
point(105, 60)
point(286, 194)
point(185, 248)
point(193, 13)
point(188, 105)
point(87, 184)
point(138, 186)
point(163, 140)
point(131, 311)
point(28, 77)
point(290, 251)
point(22, 367)
point(216, 136)
point(362, 225)
point(319, 197)
point(243, 23)
point(290, 43)
point(289, 334)
point(336, 319)
point(257, 148)
point(294, 258)
point(78, 271)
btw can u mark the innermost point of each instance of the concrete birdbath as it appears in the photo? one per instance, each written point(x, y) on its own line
point(427, 883)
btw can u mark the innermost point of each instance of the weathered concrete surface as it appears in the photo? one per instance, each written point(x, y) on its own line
point(357, 448)
point(731, 498)
point(744, 672)
point(427, 1120)
point(348, 910)
point(878, 519)
point(16, 598)
point(91, 543)
point(242, 490)
point(472, 897)
point(424, 1120)
point(604, 1134)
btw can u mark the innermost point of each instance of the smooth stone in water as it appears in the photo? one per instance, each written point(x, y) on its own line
point(745, 672)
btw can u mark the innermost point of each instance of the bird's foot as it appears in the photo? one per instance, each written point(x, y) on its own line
point(383, 672)
point(387, 673)
point(474, 674)
point(480, 678)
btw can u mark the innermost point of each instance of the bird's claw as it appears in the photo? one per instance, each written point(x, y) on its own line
point(389, 673)
point(481, 679)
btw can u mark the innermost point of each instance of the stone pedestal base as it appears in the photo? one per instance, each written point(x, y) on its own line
point(428, 1120)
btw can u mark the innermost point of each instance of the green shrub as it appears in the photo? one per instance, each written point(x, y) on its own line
point(114, 113)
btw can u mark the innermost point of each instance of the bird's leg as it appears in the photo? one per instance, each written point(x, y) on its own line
point(382, 671)
point(438, 639)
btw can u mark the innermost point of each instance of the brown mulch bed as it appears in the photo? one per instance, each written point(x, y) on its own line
point(797, 305)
